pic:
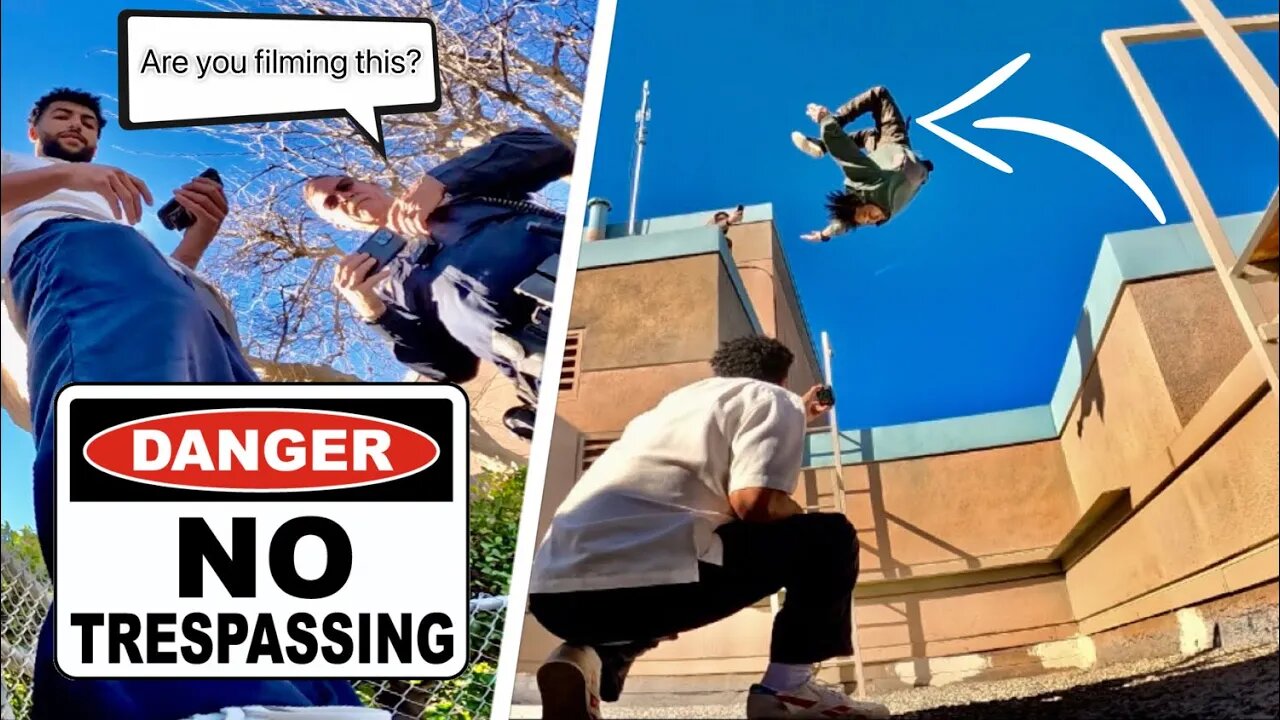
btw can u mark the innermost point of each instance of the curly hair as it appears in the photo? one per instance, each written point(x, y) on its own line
point(79, 97)
point(757, 357)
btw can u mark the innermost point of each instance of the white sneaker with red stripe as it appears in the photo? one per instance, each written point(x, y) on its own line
point(810, 700)
point(569, 682)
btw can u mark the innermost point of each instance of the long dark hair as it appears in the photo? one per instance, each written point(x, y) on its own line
point(841, 206)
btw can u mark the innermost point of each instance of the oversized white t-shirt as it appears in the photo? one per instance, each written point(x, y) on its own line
point(20, 222)
point(17, 224)
point(645, 513)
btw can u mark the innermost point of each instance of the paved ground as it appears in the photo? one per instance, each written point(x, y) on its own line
point(1218, 685)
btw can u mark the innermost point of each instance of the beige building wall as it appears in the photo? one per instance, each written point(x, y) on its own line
point(650, 328)
point(1196, 426)
point(1159, 494)
point(644, 314)
point(765, 277)
point(953, 513)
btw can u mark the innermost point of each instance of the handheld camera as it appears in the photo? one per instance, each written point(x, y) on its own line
point(826, 396)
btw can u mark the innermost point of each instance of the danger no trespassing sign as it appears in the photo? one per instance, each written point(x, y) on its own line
point(261, 531)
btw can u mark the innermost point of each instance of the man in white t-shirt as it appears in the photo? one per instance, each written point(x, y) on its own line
point(97, 302)
point(687, 519)
point(91, 296)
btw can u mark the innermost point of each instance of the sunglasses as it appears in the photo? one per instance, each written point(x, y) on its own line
point(332, 201)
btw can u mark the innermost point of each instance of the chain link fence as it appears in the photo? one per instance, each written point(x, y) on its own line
point(25, 597)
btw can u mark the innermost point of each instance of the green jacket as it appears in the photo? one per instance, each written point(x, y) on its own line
point(888, 175)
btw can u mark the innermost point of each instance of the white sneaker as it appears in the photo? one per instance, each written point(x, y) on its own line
point(569, 682)
point(810, 700)
point(805, 145)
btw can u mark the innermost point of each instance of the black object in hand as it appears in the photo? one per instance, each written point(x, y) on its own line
point(383, 245)
point(826, 396)
point(175, 217)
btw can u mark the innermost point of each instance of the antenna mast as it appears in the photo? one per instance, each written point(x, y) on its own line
point(642, 117)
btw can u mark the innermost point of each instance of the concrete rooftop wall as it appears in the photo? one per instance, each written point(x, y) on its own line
point(1145, 483)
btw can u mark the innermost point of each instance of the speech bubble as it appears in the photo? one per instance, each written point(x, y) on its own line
point(184, 69)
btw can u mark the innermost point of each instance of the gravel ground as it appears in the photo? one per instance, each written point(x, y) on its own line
point(1219, 685)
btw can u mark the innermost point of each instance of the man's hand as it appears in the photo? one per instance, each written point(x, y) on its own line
point(408, 214)
point(815, 236)
point(123, 192)
point(813, 409)
point(207, 203)
point(762, 505)
point(816, 112)
point(352, 280)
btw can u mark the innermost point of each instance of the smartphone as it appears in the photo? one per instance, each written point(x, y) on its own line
point(826, 395)
point(175, 217)
point(739, 209)
point(382, 246)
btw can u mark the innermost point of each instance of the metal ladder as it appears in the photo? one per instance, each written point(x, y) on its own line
point(838, 497)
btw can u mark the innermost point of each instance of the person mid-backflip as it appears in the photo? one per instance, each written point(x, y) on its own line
point(882, 172)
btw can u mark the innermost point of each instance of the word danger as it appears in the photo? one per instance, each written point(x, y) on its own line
point(261, 450)
point(334, 637)
point(266, 61)
point(284, 450)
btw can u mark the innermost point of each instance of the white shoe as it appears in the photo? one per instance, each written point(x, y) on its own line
point(805, 145)
point(810, 700)
point(569, 682)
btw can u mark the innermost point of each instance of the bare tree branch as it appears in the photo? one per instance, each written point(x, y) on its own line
point(504, 64)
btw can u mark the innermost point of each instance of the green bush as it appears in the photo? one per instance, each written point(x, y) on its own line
point(495, 504)
point(496, 499)
point(24, 544)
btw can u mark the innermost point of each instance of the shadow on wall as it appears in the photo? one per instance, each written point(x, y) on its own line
point(1092, 395)
point(890, 567)
point(1192, 689)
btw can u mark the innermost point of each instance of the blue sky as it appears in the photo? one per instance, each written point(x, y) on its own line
point(968, 301)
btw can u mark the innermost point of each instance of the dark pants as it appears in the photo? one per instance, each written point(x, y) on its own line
point(100, 304)
point(891, 124)
point(814, 557)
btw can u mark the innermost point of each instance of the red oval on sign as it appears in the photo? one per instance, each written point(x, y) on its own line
point(261, 450)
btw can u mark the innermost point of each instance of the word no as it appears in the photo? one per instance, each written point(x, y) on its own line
point(267, 61)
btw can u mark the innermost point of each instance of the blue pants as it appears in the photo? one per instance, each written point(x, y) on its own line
point(472, 283)
point(101, 304)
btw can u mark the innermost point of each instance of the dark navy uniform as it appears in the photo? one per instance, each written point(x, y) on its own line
point(446, 301)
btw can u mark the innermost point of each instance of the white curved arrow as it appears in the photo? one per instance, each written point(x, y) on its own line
point(974, 94)
point(1059, 133)
point(1084, 144)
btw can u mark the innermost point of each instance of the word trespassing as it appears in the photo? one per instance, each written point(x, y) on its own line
point(253, 640)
